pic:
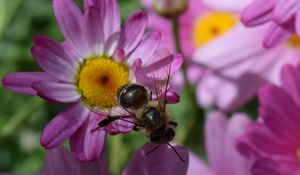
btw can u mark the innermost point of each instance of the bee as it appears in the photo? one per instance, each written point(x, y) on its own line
point(148, 115)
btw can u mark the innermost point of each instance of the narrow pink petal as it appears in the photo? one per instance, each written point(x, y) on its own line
point(152, 163)
point(70, 21)
point(63, 125)
point(111, 19)
point(146, 48)
point(51, 57)
point(86, 144)
point(197, 166)
point(99, 5)
point(60, 161)
point(256, 11)
point(20, 82)
point(59, 92)
point(215, 129)
point(285, 10)
point(275, 35)
point(93, 31)
point(133, 31)
point(290, 78)
point(111, 44)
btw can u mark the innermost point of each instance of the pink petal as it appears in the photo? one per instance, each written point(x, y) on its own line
point(60, 161)
point(266, 167)
point(20, 82)
point(99, 167)
point(215, 129)
point(233, 160)
point(290, 78)
point(59, 92)
point(111, 44)
point(86, 144)
point(63, 125)
point(274, 114)
point(111, 19)
point(119, 55)
point(133, 31)
point(93, 31)
point(227, 5)
point(51, 57)
point(285, 10)
point(197, 166)
point(297, 23)
point(99, 5)
point(152, 163)
point(275, 35)
point(258, 12)
point(70, 21)
point(146, 48)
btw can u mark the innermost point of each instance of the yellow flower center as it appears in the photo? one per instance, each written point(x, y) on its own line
point(98, 81)
point(294, 41)
point(211, 26)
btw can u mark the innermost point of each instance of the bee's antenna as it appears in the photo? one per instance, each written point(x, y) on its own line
point(152, 150)
point(176, 152)
point(167, 83)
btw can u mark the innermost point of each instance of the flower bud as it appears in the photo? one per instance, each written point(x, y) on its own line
point(170, 8)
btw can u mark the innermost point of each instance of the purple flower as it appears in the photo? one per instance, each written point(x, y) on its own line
point(163, 161)
point(220, 137)
point(273, 141)
point(96, 59)
point(283, 15)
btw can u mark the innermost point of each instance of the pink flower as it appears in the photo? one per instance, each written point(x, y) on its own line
point(273, 141)
point(283, 15)
point(97, 58)
point(163, 161)
point(196, 12)
point(223, 157)
point(239, 69)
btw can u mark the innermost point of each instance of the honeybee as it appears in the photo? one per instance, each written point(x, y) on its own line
point(148, 115)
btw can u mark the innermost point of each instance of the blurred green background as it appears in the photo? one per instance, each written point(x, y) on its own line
point(22, 117)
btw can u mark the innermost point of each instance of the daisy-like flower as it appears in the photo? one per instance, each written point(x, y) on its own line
point(163, 161)
point(239, 69)
point(273, 141)
point(283, 14)
point(96, 59)
point(220, 144)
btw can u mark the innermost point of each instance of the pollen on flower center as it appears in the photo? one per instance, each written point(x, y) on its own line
point(212, 25)
point(294, 41)
point(99, 79)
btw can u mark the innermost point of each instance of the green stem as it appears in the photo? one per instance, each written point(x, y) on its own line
point(195, 111)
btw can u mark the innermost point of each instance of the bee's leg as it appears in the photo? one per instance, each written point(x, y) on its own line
point(172, 123)
point(136, 128)
point(150, 95)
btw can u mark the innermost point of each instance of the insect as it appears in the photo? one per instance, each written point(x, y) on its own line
point(148, 115)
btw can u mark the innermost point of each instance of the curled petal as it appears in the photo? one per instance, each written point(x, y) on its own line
point(258, 12)
point(59, 92)
point(52, 58)
point(63, 125)
point(21, 82)
point(86, 144)
point(136, 24)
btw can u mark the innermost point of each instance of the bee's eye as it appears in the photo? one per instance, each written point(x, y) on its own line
point(133, 96)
